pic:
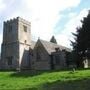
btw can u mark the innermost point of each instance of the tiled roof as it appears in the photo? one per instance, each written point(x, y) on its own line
point(50, 47)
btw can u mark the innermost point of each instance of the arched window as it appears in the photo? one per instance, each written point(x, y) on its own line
point(25, 28)
point(57, 59)
point(38, 53)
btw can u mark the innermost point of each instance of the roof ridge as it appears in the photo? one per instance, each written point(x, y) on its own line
point(50, 47)
point(52, 43)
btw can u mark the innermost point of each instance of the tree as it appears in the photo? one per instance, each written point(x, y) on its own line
point(53, 40)
point(81, 46)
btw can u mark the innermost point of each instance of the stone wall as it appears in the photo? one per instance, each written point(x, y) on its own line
point(10, 50)
point(24, 38)
point(16, 43)
point(41, 59)
point(59, 60)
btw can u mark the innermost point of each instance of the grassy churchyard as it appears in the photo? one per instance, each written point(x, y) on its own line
point(45, 80)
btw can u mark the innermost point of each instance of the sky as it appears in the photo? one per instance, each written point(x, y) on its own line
point(48, 17)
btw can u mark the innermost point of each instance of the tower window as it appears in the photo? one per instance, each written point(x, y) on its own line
point(9, 60)
point(25, 28)
point(10, 28)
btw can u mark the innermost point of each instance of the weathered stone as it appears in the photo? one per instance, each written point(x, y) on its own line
point(16, 44)
point(19, 52)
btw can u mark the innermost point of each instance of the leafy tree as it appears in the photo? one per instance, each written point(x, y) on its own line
point(53, 40)
point(81, 46)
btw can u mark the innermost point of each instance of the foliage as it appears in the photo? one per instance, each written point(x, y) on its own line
point(81, 46)
point(45, 80)
point(53, 40)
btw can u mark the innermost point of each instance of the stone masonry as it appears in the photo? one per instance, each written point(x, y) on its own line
point(16, 44)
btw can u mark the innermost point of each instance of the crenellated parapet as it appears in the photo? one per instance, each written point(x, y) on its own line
point(17, 19)
point(16, 43)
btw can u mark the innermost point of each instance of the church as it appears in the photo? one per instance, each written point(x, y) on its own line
point(18, 51)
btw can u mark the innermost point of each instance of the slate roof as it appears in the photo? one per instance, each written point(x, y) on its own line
point(50, 47)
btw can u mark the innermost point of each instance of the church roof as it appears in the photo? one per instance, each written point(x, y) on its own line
point(50, 47)
point(33, 44)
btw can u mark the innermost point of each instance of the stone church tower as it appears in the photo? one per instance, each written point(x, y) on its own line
point(16, 44)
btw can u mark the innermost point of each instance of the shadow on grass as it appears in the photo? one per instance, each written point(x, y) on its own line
point(30, 88)
point(31, 73)
point(83, 84)
point(28, 73)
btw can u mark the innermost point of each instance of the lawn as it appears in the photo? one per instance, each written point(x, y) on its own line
point(45, 80)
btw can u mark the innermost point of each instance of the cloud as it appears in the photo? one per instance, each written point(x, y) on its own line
point(66, 35)
point(2, 5)
point(16, 8)
point(46, 13)
point(43, 14)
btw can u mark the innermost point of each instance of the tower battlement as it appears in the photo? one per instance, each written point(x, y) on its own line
point(17, 19)
point(11, 20)
point(16, 43)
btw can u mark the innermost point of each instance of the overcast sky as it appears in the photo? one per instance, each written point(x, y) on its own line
point(47, 17)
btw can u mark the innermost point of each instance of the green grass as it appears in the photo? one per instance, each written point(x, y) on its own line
point(45, 80)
